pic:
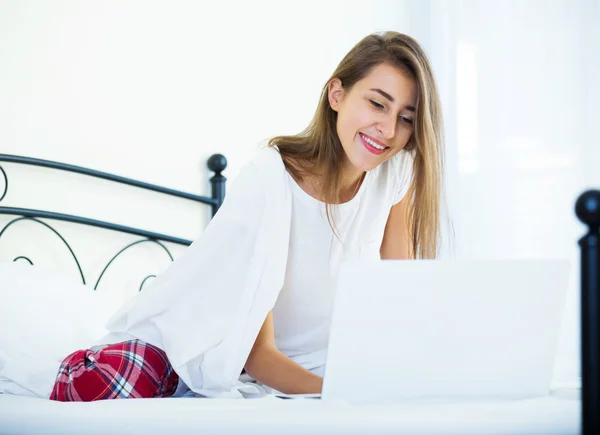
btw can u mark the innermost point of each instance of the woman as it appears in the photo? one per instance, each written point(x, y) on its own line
point(362, 181)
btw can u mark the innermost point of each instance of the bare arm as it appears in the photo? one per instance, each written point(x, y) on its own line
point(397, 244)
point(269, 366)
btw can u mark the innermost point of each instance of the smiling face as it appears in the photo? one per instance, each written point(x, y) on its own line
point(375, 117)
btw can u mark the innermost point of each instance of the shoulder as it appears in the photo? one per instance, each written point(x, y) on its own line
point(264, 163)
point(261, 179)
point(398, 167)
point(393, 177)
point(394, 171)
point(266, 160)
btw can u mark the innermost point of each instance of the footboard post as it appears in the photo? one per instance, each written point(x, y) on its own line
point(587, 209)
point(217, 163)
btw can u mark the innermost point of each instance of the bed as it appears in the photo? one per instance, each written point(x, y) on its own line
point(546, 416)
point(559, 413)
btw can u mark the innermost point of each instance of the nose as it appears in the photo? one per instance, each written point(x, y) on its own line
point(387, 127)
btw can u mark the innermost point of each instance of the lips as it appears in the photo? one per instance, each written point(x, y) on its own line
point(372, 145)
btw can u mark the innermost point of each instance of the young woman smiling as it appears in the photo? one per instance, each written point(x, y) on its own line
point(363, 180)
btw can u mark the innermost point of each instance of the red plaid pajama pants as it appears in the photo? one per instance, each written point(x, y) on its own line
point(131, 369)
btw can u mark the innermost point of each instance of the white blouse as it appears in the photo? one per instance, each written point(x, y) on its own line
point(207, 308)
point(302, 313)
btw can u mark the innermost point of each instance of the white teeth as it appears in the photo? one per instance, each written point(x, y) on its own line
point(373, 144)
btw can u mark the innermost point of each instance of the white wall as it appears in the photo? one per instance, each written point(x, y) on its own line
point(150, 89)
point(520, 87)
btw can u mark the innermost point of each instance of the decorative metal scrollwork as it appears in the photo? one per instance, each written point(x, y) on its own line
point(21, 257)
point(216, 163)
point(24, 258)
point(127, 247)
point(5, 183)
point(144, 281)
point(25, 218)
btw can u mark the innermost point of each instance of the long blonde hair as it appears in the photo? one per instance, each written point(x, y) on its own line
point(317, 150)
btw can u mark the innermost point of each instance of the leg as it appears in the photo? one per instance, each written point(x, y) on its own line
point(131, 369)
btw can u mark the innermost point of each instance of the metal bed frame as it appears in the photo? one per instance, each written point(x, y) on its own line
point(587, 209)
point(216, 163)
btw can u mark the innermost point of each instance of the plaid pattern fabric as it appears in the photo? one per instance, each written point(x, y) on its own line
point(131, 369)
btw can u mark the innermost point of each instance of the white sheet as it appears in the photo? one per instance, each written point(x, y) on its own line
point(44, 316)
point(556, 414)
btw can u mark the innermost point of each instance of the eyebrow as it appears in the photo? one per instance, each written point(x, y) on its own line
point(389, 97)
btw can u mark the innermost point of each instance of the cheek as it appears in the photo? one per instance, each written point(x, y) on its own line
point(351, 120)
point(403, 135)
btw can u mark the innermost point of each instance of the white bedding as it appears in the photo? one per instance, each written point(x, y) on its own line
point(556, 414)
point(44, 316)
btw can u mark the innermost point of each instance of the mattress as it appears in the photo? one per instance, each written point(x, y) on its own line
point(555, 414)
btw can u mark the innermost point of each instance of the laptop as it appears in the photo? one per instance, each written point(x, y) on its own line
point(444, 329)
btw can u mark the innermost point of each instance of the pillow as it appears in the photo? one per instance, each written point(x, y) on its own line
point(44, 317)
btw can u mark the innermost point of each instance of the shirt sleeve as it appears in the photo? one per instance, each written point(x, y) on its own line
point(402, 168)
point(194, 308)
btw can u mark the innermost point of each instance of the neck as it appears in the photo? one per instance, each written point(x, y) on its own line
point(351, 176)
point(350, 181)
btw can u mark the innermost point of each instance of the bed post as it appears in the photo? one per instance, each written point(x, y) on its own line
point(587, 209)
point(217, 163)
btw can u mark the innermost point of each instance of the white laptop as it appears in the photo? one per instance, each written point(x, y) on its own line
point(444, 329)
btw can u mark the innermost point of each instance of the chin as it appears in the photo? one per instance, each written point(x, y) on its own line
point(364, 160)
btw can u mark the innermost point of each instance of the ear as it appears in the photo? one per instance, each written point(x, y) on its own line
point(335, 93)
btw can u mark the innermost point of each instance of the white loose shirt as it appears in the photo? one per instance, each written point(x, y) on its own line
point(206, 309)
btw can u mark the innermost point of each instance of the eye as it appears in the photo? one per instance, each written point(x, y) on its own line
point(406, 119)
point(377, 105)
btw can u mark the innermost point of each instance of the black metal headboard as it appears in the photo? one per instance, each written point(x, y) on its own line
point(216, 163)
